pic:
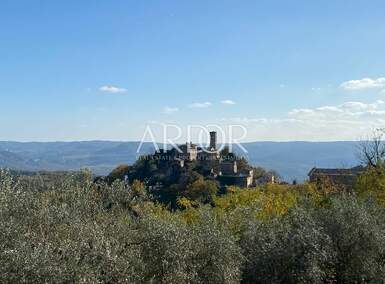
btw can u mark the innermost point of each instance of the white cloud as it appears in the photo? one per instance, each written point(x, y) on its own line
point(348, 110)
point(358, 106)
point(365, 83)
point(347, 121)
point(169, 110)
point(228, 102)
point(200, 105)
point(112, 89)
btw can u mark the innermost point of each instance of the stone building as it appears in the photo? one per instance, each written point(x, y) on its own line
point(229, 175)
point(189, 152)
point(339, 177)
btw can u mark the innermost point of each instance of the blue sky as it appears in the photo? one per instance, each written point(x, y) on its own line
point(82, 70)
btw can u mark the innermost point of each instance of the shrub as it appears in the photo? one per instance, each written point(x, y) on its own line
point(174, 252)
point(357, 230)
point(288, 249)
point(79, 231)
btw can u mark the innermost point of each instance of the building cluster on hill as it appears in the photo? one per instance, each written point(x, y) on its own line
point(223, 168)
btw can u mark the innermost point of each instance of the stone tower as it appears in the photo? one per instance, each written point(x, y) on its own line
point(213, 140)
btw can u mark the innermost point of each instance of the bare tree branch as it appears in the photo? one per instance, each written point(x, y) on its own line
point(372, 150)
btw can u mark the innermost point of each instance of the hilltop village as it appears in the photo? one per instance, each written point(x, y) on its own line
point(192, 172)
point(221, 166)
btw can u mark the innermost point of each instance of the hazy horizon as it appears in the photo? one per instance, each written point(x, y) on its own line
point(181, 141)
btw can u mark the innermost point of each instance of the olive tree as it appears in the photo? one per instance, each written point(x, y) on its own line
point(174, 252)
point(289, 249)
point(357, 231)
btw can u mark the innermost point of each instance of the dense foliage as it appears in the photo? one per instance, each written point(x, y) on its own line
point(81, 231)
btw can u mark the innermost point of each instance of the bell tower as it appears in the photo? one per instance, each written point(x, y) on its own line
point(213, 140)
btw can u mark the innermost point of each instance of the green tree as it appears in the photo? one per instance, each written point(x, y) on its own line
point(120, 172)
point(201, 190)
point(372, 183)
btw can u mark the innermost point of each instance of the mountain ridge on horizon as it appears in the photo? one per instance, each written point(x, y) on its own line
point(291, 159)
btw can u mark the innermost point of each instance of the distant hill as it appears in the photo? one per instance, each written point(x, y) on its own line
point(290, 159)
point(295, 159)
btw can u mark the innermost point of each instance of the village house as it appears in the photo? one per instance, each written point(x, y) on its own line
point(229, 175)
point(339, 177)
